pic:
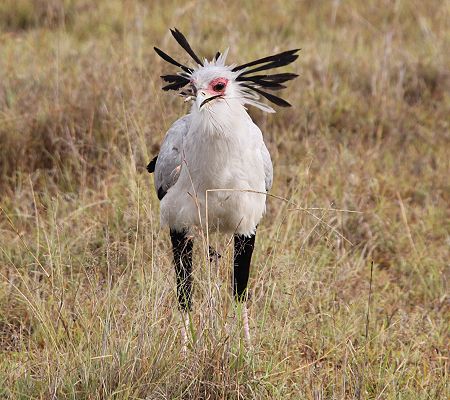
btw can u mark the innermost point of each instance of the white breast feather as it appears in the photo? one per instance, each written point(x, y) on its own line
point(226, 151)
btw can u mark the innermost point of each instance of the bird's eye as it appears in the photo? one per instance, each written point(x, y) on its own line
point(218, 87)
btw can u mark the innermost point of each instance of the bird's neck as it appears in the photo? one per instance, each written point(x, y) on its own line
point(224, 120)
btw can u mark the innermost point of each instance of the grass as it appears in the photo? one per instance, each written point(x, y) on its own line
point(87, 291)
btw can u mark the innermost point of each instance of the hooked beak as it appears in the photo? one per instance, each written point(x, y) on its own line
point(203, 98)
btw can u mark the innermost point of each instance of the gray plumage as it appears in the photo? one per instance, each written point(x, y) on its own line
point(268, 167)
point(168, 164)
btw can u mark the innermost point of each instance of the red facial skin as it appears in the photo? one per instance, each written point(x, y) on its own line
point(214, 83)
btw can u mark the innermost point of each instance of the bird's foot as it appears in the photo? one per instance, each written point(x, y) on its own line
point(214, 255)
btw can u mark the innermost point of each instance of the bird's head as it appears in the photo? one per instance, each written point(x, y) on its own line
point(210, 83)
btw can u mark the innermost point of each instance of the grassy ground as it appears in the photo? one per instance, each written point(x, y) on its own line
point(87, 302)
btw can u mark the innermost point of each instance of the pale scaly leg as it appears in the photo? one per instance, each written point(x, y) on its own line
point(184, 331)
point(245, 325)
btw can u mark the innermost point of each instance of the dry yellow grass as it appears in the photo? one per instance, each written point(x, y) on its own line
point(87, 304)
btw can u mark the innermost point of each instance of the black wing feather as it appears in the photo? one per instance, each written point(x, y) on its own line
point(161, 193)
point(151, 165)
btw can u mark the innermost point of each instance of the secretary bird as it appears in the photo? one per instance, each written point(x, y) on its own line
point(216, 146)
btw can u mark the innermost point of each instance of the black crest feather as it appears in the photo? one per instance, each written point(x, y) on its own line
point(274, 64)
point(274, 99)
point(252, 83)
point(278, 78)
point(172, 78)
point(265, 83)
point(182, 41)
point(170, 60)
point(285, 55)
point(176, 85)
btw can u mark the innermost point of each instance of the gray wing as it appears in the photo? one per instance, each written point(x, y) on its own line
point(168, 162)
point(268, 167)
point(267, 161)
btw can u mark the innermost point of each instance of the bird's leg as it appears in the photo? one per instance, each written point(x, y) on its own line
point(243, 250)
point(245, 324)
point(182, 258)
point(184, 330)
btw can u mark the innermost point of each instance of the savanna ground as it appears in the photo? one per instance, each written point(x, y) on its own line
point(88, 307)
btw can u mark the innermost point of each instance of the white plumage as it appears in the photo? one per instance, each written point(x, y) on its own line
point(217, 147)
